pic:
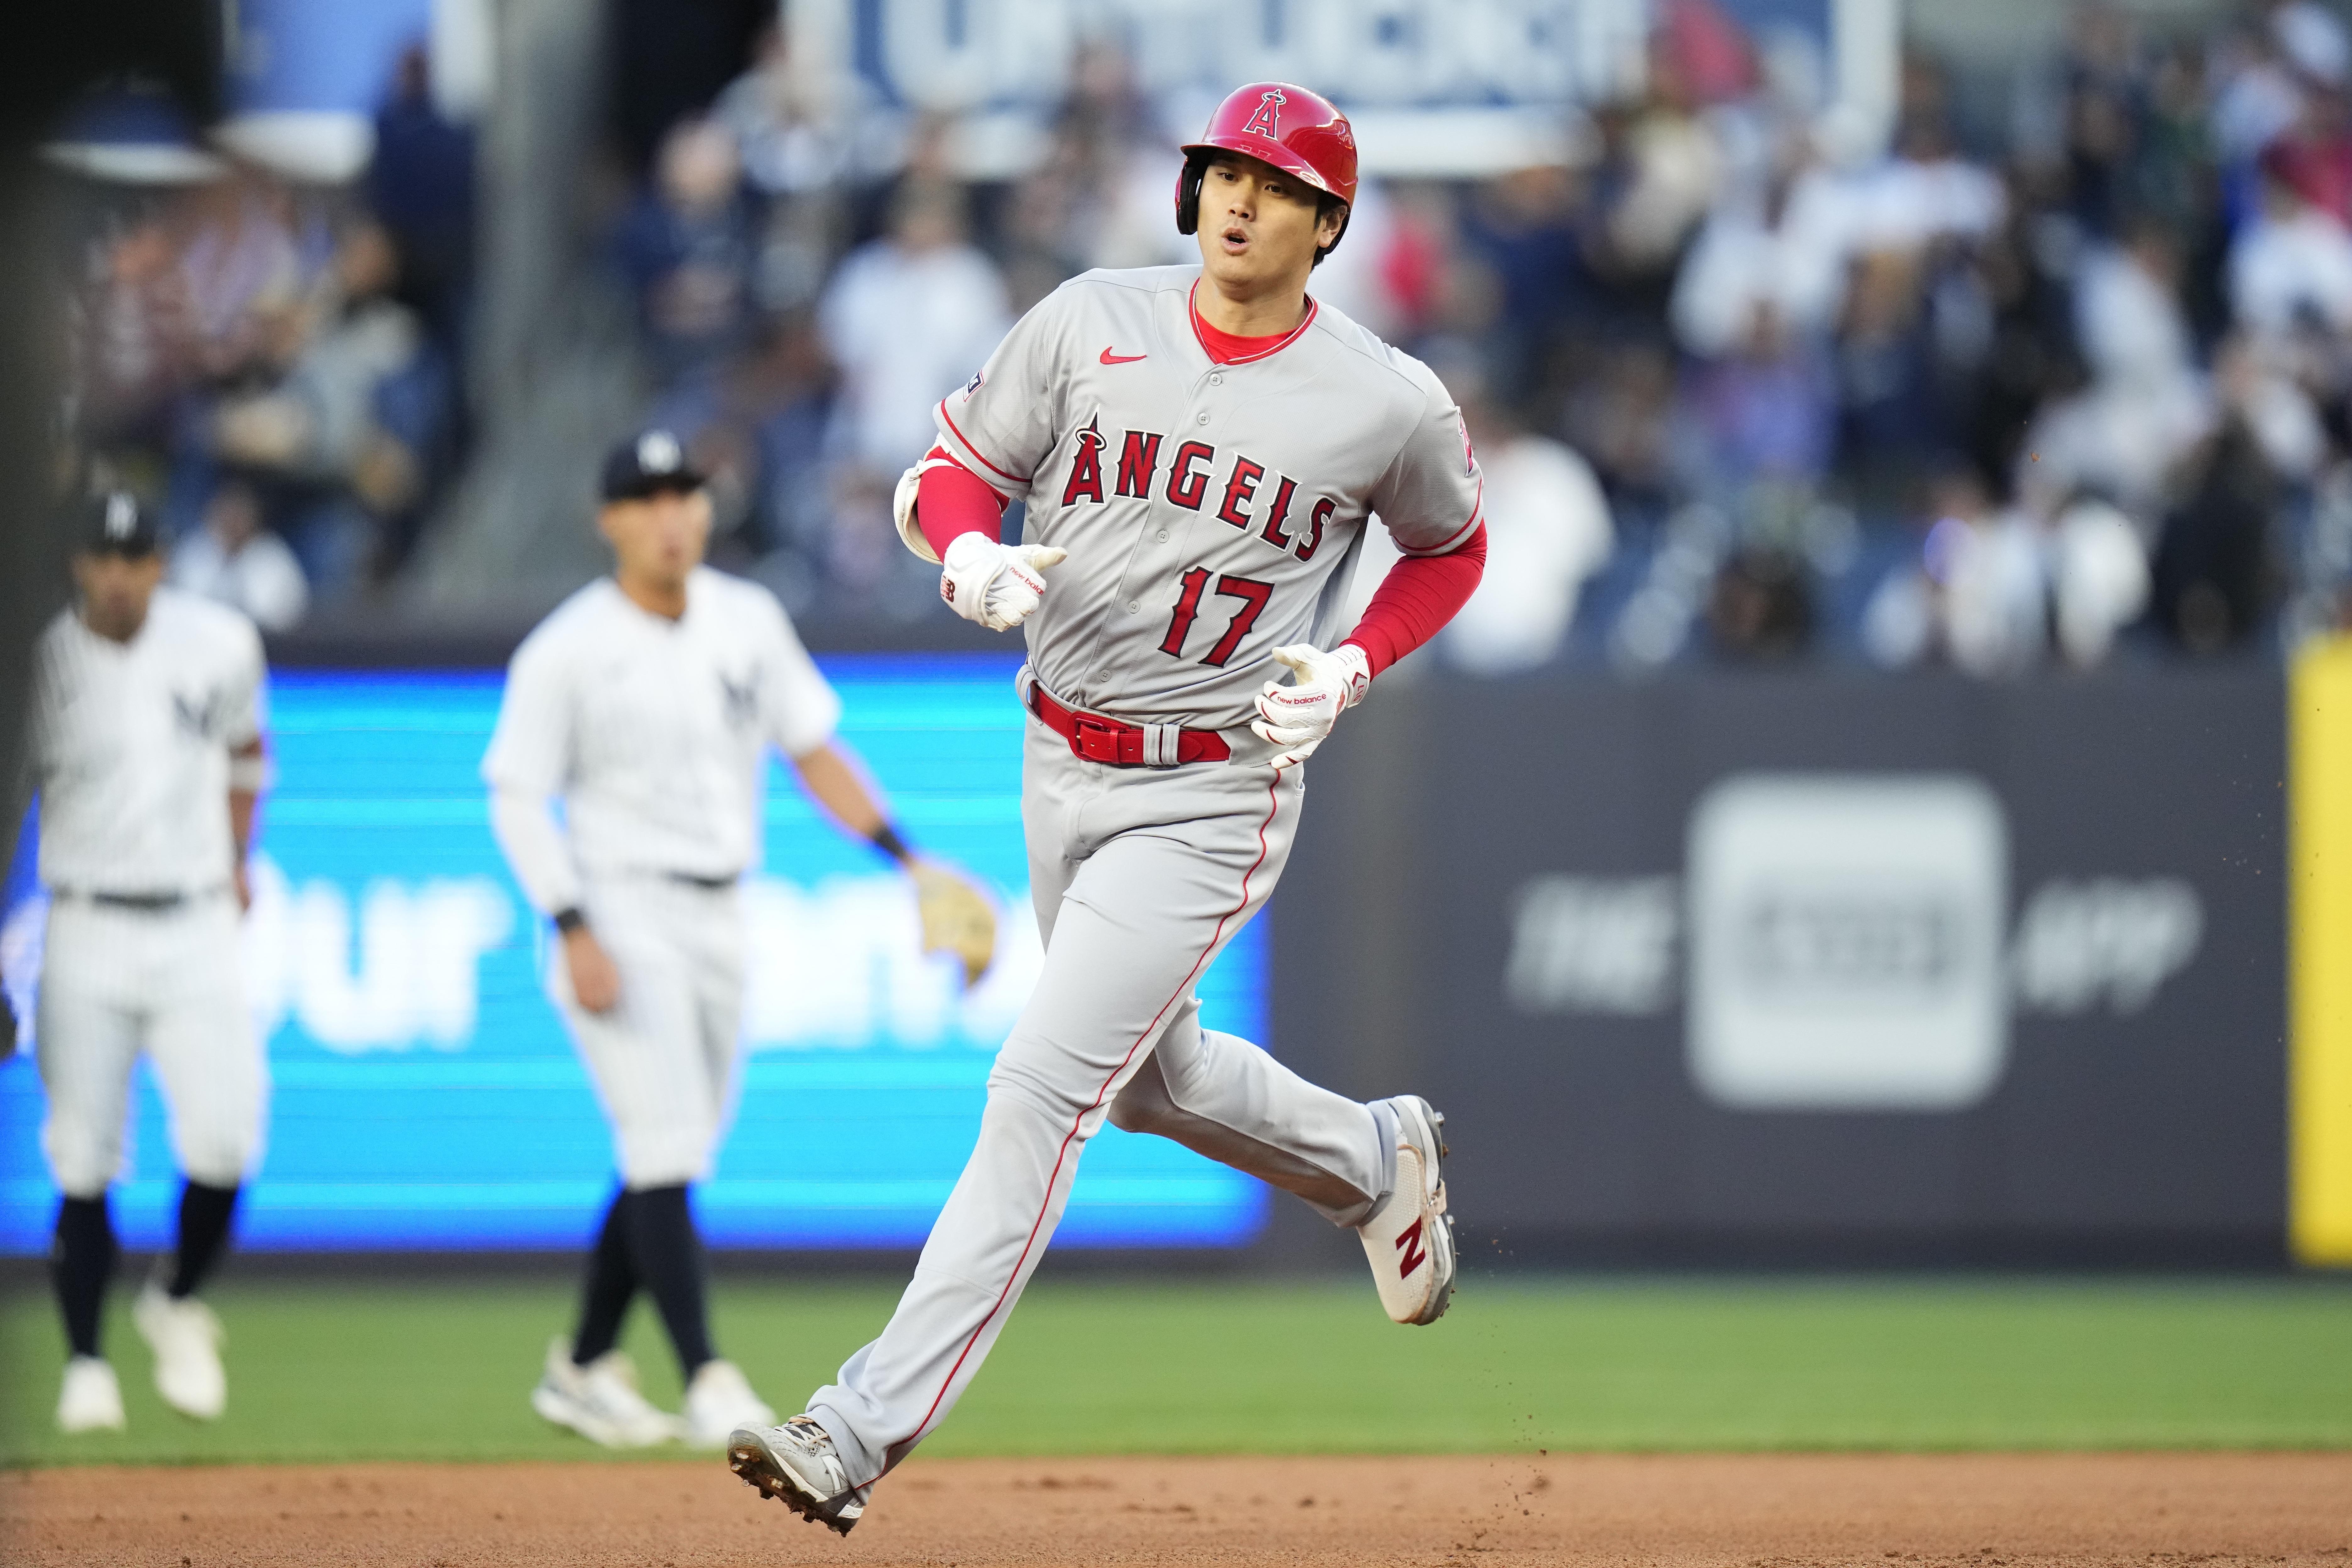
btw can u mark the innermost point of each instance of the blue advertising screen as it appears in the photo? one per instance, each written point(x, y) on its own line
point(426, 1094)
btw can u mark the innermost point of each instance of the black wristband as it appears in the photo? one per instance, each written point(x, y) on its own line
point(886, 839)
point(568, 919)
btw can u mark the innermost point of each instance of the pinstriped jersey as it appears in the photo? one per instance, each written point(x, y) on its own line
point(1210, 511)
point(131, 746)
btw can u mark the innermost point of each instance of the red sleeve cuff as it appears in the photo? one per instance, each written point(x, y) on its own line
point(950, 501)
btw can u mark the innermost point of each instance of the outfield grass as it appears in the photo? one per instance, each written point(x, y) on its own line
point(441, 1372)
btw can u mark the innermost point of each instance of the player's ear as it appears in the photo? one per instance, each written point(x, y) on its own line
point(1331, 223)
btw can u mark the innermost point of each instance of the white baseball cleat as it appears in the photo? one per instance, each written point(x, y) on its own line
point(796, 1465)
point(91, 1400)
point(600, 1401)
point(186, 1340)
point(1410, 1238)
point(717, 1401)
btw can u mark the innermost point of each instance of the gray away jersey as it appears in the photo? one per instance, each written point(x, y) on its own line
point(1209, 510)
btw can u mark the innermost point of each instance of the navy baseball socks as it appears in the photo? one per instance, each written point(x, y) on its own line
point(81, 1260)
point(648, 1241)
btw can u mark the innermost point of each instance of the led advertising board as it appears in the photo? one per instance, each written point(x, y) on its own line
point(425, 1095)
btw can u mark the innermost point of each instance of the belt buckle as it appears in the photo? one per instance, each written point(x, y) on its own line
point(1095, 739)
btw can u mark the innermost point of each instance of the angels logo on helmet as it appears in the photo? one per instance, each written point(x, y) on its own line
point(1262, 121)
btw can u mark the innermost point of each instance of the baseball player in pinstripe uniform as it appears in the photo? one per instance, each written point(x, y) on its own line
point(148, 752)
point(647, 702)
point(1201, 449)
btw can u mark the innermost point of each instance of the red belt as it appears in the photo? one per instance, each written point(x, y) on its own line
point(1099, 739)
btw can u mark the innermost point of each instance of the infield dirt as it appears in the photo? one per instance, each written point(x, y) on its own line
point(1740, 1512)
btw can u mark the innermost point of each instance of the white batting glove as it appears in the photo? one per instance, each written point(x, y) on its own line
point(1323, 686)
point(997, 585)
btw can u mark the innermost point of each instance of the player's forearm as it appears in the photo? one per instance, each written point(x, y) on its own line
point(249, 770)
point(841, 788)
point(534, 847)
point(952, 501)
point(244, 805)
point(1416, 599)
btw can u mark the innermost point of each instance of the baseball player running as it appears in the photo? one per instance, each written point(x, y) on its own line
point(147, 750)
point(646, 704)
point(1200, 448)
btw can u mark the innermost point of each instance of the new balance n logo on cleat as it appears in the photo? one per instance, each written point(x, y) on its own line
point(1408, 1238)
point(1410, 1245)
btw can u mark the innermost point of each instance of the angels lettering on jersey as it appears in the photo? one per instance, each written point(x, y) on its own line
point(1196, 471)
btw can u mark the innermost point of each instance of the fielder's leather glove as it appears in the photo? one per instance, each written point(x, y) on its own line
point(995, 584)
point(1298, 717)
point(957, 917)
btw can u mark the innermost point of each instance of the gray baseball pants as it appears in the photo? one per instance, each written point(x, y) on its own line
point(1140, 877)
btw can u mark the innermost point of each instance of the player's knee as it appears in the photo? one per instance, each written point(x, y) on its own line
point(1143, 1107)
point(218, 1153)
point(221, 1159)
point(83, 1173)
point(84, 1156)
point(1016, 1081)
point(665, 1157)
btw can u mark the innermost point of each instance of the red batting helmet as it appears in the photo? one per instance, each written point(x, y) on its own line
point(1298, 131)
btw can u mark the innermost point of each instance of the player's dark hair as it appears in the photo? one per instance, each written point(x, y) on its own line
point(1188, 203)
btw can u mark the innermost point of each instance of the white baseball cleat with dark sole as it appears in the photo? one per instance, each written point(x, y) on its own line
point(1410, 1238)
point(796, 1465)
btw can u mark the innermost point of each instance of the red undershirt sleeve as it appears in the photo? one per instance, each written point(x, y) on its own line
point(950, 499)
point(1416, 599)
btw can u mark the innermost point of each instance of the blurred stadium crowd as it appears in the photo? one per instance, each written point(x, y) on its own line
point(2062, 385)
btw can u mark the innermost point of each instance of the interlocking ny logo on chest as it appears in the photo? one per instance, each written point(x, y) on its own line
point(197, 717)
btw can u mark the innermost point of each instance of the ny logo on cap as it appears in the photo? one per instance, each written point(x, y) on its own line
point(657, 452)
point(1262, 121)
point(121, 517)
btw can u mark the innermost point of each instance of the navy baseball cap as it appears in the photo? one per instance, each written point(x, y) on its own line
point(648, 464)
point(114, 523)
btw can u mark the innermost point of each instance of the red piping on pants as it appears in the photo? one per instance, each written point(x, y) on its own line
point(1273, 806)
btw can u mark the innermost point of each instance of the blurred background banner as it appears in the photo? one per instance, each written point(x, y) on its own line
point(426, 1095)
point(1802, 966)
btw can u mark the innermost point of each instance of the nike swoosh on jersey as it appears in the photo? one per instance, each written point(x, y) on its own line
point(1110, 358)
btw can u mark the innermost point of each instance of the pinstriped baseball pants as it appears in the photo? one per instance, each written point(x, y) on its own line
point(1140, 877)
point(117, 982)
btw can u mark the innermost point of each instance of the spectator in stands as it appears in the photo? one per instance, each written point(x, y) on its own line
point(1781, 241)
point(420, 187)
point(236, 560)
point(1764, 412)
point(1977, 594)
point(1759, 608)
point(318, 434)
point(687, 248)
point(811, 135)
point(909, 318)
point(2292, 264)
point(1548, 532)
point(2217, 572)
point(758, 433)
